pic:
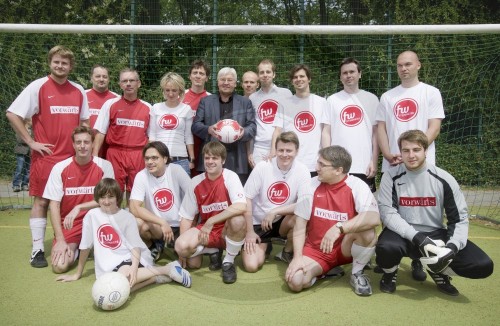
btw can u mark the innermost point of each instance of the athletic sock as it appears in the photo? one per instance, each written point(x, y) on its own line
point(360, 257)
point(200, 250)
point(390, 270)
point(38, 226)
point(232, 250)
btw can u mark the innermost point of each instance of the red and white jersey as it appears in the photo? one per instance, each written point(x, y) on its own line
point(304, 116)
point(172, 126)
point(162, 196)
point(55, 111)
point(335, 203)
point(209, 198)
point(125, 123)
point(96, 100)
point(266, 107)
point(404, 109)
point(269, 188)
point(71, 183)
point(113, 237)
point(193, 99)
point(352, 117)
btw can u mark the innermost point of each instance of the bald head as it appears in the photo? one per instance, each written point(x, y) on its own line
point(250, 82)
point(408, 65)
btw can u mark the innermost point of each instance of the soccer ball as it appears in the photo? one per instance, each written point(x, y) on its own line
point(227, 130)
point(110, 291)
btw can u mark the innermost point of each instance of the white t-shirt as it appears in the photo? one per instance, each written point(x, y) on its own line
point(112, 246)
point(352, 117)
point(172, 126)
point(303, 116)
point(269, 188)
point(266, 107)
point(404, 109)
point(162, 196)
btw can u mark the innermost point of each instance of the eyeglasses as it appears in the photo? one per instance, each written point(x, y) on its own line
point(152, 158)
point(323, 165)
point(126, 81)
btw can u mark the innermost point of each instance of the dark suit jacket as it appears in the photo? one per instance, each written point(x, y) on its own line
point(208, 114)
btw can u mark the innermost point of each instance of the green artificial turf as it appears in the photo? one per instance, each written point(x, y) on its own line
point(31, 296)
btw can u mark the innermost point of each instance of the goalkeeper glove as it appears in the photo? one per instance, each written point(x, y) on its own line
point(438, 258)
point(421, 240)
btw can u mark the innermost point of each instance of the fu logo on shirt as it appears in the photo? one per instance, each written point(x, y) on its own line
point(405, 109)
point(267, 111)
point(278, 192)
point(168, 122)
point(305, 121)
point(351, 115)
point(108, 237)
point(163, 199)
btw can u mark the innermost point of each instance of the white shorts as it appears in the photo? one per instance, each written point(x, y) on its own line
point(259, 154)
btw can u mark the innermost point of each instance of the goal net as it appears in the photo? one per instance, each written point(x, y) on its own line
point(463, 64)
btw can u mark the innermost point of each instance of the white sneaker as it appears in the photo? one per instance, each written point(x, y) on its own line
point(361, 284)
point(179, 274)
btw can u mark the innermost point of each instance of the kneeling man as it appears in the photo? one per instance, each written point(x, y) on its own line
point(70, 189)
point(335, 227)
point(156, 198)
point(414, 197)
point(218, 197)
point(272, 191)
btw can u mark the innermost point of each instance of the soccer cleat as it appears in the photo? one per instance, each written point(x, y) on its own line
point(228, 273)
point(388, 282)
point(38, 259)
point(157, 249)
point(16, 189)
point(361, 284)
point(443, 284)
point(417, 270)
point(284, 256)
point(179, 274)
point(25, 188)
point(215, 261)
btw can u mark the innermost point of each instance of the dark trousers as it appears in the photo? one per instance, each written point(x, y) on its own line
point(470, 262)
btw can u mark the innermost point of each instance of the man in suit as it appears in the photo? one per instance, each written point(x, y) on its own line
point(226, 105)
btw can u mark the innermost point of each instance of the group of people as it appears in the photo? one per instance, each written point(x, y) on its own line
point(302, 169)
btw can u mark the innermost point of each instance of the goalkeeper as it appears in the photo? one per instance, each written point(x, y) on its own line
point(413, 200)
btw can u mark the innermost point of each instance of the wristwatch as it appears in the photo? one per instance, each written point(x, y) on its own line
point(191, 160)
point(340, 226)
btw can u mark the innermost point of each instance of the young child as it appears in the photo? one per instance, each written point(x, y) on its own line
point(117, 245)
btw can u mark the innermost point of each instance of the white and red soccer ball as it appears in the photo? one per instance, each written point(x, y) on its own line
point(111, 291)
point(227, 131)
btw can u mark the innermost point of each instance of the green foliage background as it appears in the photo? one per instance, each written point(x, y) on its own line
point(464, 67)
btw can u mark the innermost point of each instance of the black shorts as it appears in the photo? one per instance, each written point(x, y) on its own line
point(370, 182)
point(177, 231)
point(127, 262)
point(266, 236)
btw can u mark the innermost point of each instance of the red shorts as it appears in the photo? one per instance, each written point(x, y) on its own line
point(73, 235)
point(215, 239)
point(39, 174)
point(126, 164)
point(326, 261)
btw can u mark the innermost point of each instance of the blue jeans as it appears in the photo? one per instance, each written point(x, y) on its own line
point(185, 165)
point(22, 172)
